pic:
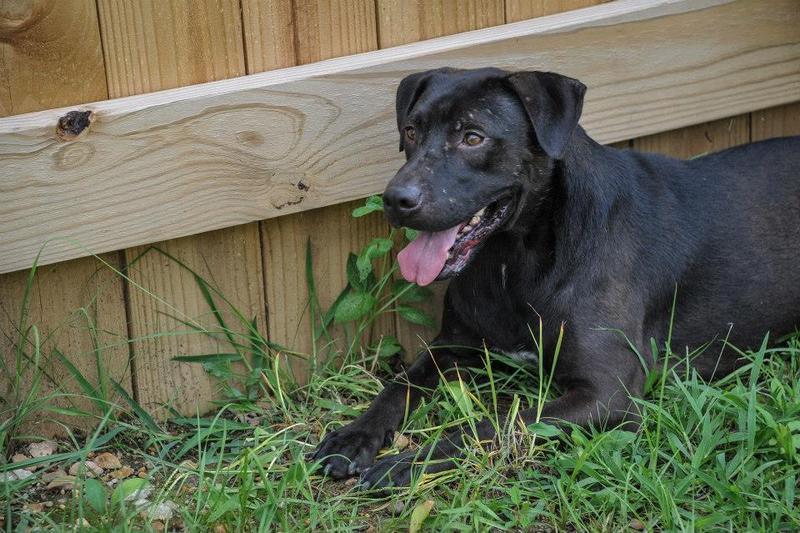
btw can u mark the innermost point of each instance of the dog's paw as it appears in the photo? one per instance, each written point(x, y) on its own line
point(350, 450)
point(392, 471)
point(399, 470)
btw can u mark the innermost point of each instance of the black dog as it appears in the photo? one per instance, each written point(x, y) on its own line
point(532, 218)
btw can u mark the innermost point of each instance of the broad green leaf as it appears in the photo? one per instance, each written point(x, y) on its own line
point(415, 316)
point(354, 306)
point(95, 494)
point(544, 430)
point(387, 347)
point(376, 248)
point(418, 515)
point(353, 273)
point(129, 490)
point(373, 204)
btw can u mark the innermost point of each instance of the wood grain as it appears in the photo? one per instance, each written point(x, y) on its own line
point(268, 34)
point(209, 156)
point(408, 21)
point(403, 22)
point(153, 45)
point(333, 28)
point(776, 122)
point(517, 10)
point(66, 302)
point(333, 233)
point(698, 140)
point(42, 65)
point(322, 29)
point(164, 295)
point(50, 55)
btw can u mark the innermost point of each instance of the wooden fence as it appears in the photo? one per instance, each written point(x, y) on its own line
point(233, 178)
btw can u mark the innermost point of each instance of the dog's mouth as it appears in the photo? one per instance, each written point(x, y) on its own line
point(443, 254)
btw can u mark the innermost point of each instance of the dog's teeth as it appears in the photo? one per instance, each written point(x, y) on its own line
point(474, 220)
point(480, 213)
point(466, 228)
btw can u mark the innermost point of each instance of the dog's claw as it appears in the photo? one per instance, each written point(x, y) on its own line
point(352, 467)
point(327, 470)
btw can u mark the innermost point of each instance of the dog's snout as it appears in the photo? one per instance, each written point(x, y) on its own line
point(402, 199)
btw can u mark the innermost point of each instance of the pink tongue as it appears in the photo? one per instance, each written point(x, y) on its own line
point(424, 257)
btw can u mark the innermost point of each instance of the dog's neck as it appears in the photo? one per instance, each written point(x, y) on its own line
point(584, 188)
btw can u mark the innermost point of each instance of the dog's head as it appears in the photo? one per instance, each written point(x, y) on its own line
point(480, 146)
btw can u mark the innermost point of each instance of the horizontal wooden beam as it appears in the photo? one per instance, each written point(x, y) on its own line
point(125, 172)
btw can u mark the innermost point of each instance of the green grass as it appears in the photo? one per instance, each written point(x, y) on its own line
point(721, 456)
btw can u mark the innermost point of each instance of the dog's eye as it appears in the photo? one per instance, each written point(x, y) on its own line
point(410, 133)
point(472, 139)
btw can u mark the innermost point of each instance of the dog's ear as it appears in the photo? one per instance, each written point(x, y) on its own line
point(553, 103)
point(408, 92)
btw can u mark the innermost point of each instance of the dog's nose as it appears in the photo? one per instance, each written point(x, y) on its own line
point(402, 199)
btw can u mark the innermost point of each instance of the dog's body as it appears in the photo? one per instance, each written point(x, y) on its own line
point(603, 241)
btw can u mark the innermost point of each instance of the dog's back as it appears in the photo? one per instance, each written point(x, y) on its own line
point(742, 208)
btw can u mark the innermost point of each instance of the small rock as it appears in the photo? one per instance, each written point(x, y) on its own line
point(139, 498)
point(82, 522)
point(66, 482)
point(162, 511)
point(42, 449)
point(90, 467)
point(157, 525)
point(122, 473)
point(50, 476)
point(5, 477)
point(636, 524)
point(140, 501)
point(351, 481)
point(34, 507)
point(21, 473)
point(19, 457)
point(107, 461)
point(401, 442)
point(220, 528)
point(398, 507)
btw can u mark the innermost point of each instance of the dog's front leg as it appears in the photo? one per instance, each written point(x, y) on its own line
point(352, 449)
point(605, 406)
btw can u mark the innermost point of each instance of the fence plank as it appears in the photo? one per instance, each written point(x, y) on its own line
point(333, 122)
point(149, 46)
point(528, 9)
point(42, 67)
point(699, 139)
point(406, 21)
point(41, 64)
point(323, 29)
point(776, 122)
point(401, 22)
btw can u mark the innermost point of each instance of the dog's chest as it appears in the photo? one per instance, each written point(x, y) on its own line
point(493, 306)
